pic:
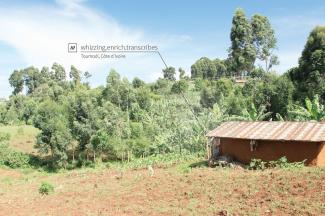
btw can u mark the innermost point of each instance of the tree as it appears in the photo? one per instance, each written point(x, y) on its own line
point(32, 79)
point(100, 142)
point(309, 76)
point(181, 73)
point(215, 91)
point(84, 114)
point(45, 75)
point(143, 98)
point(179, 87)
point(16, 81)
point(242, 52)
point(207, 97)
point(221, 69)
point(281, 99)
point(75, 75)
point(137, 83)
point(169, 73)
point(264, 40)
point(58, 72)
point(204, 68)
point(55, 136)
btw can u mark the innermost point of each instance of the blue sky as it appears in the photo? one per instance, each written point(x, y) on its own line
point(37, 32)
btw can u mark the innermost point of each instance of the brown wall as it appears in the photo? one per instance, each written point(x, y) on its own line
point(321, 156)
point(273, 150)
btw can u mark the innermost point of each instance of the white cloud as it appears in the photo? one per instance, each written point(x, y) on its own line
point(40, 34)
point(292, 32)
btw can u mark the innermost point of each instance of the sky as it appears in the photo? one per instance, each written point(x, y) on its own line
point(37, 33)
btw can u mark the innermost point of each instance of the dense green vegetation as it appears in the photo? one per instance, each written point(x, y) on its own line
point(124, 120)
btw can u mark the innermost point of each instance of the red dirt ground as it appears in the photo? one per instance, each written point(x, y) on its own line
point(203, 191)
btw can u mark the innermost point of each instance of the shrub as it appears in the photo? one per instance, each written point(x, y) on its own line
point(17, 159)
point(46, 188)
point(257, 164)
point(281, 163)
point(13, 158)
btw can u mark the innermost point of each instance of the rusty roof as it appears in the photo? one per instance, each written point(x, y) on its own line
point(263, 130)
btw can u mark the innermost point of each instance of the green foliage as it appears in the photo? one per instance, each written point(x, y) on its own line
point(180, 86)
point(203, 68)
point(257, 164)
point(46, 188)
point(281, 163)
point(137, 83)
point(16, 80)
point(127, 121)
point(75, 75)
point(160, 160)
point(309, 76)
point(58, 72)
point(313, 110)
point(169, 73)
point(10, 157)
point(182, 74)
point(217, 90)
point(242, 52)
point(264, 40)
point(55, 135)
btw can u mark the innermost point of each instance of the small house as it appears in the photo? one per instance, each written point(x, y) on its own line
point(243, 141)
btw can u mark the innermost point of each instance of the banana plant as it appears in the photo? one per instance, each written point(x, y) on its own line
point(313, 110)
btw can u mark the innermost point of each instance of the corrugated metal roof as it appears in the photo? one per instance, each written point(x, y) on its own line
point(289, 131)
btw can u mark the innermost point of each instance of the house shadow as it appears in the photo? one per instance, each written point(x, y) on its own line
point(200, 164)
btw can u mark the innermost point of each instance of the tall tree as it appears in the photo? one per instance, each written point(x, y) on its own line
point(242, 51)
point(58, 72)
point(264, 41)
point(75, 75)
point(32, 79)
point(55, 135)
point(16, 80)
point(309, 77)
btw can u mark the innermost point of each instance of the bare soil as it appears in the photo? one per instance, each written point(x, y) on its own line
point(202, 191)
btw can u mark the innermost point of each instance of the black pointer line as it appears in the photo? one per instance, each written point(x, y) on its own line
point(162, 59)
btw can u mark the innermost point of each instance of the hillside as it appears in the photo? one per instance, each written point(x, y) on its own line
point(177, 190)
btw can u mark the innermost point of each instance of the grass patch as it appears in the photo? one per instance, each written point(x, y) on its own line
point(156, 161)
point(22, 137)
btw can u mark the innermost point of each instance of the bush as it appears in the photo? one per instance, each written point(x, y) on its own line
point(257, 164)
point(16, 159)
point(281, 163)
point(13, 158)
point(46, 188)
